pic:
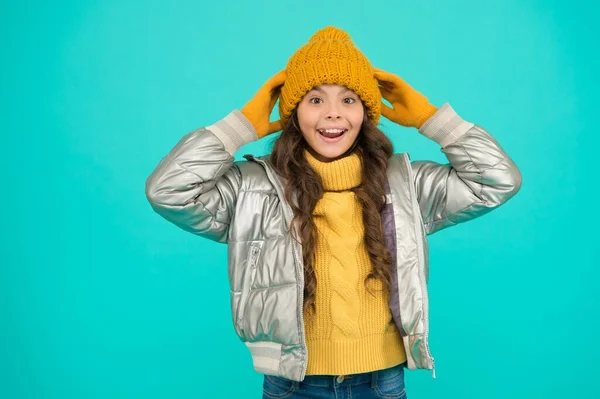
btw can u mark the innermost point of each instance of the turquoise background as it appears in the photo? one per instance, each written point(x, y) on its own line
point(102, 298)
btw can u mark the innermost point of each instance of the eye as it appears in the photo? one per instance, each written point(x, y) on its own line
point(314, 98)
point(352, 100)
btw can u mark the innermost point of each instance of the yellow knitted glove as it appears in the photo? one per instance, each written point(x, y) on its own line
point(258, 109)
point(411, 108)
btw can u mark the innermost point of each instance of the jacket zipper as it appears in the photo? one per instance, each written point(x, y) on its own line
point(297, 260)
point(254, 251)
point(413, 194)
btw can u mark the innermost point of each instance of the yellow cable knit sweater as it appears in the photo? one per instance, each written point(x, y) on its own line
point(352, 331)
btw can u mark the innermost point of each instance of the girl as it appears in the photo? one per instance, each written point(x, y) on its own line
point(328, 257)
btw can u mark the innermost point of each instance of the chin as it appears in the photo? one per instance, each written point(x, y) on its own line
point(331, 154)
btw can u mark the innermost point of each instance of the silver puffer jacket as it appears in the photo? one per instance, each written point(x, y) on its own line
point(200, 188)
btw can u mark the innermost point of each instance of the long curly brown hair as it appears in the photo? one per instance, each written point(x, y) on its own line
point(375, 149)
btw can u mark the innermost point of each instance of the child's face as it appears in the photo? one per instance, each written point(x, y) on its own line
point(325, 107)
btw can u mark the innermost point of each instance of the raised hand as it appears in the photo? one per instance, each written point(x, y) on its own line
point(410, 108)
point(258, 109)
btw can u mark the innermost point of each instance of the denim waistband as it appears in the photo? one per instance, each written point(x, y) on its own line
point(353, 379)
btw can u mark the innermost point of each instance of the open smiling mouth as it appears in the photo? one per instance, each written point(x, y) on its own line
point(331, 134)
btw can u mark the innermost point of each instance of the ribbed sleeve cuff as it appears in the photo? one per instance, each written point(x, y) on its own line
point(234, 131)
point(445, 126)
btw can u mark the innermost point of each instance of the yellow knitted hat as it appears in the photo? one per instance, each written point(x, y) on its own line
point(329, 57)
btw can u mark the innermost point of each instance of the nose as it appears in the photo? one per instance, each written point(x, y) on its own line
point(333, 113)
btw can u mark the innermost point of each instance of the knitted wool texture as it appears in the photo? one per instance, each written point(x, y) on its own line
point(352, 331)
point(330, 57)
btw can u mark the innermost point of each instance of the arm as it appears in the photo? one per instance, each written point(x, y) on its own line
point(479, 177)
point(195, 185)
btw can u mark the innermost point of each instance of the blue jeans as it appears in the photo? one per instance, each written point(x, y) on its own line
point(387, 383)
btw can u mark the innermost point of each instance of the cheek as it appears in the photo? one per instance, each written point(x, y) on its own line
point(306, 137)
point(357, 119)
point(304, 117)
point(354, 135)
point(304, 126)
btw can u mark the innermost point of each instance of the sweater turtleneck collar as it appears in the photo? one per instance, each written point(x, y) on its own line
point(339, 175)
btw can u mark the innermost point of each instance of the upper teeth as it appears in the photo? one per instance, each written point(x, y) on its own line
point(332, 130)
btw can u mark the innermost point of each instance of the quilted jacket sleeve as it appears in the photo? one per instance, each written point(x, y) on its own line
point(195, 185)
point(479, 177)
